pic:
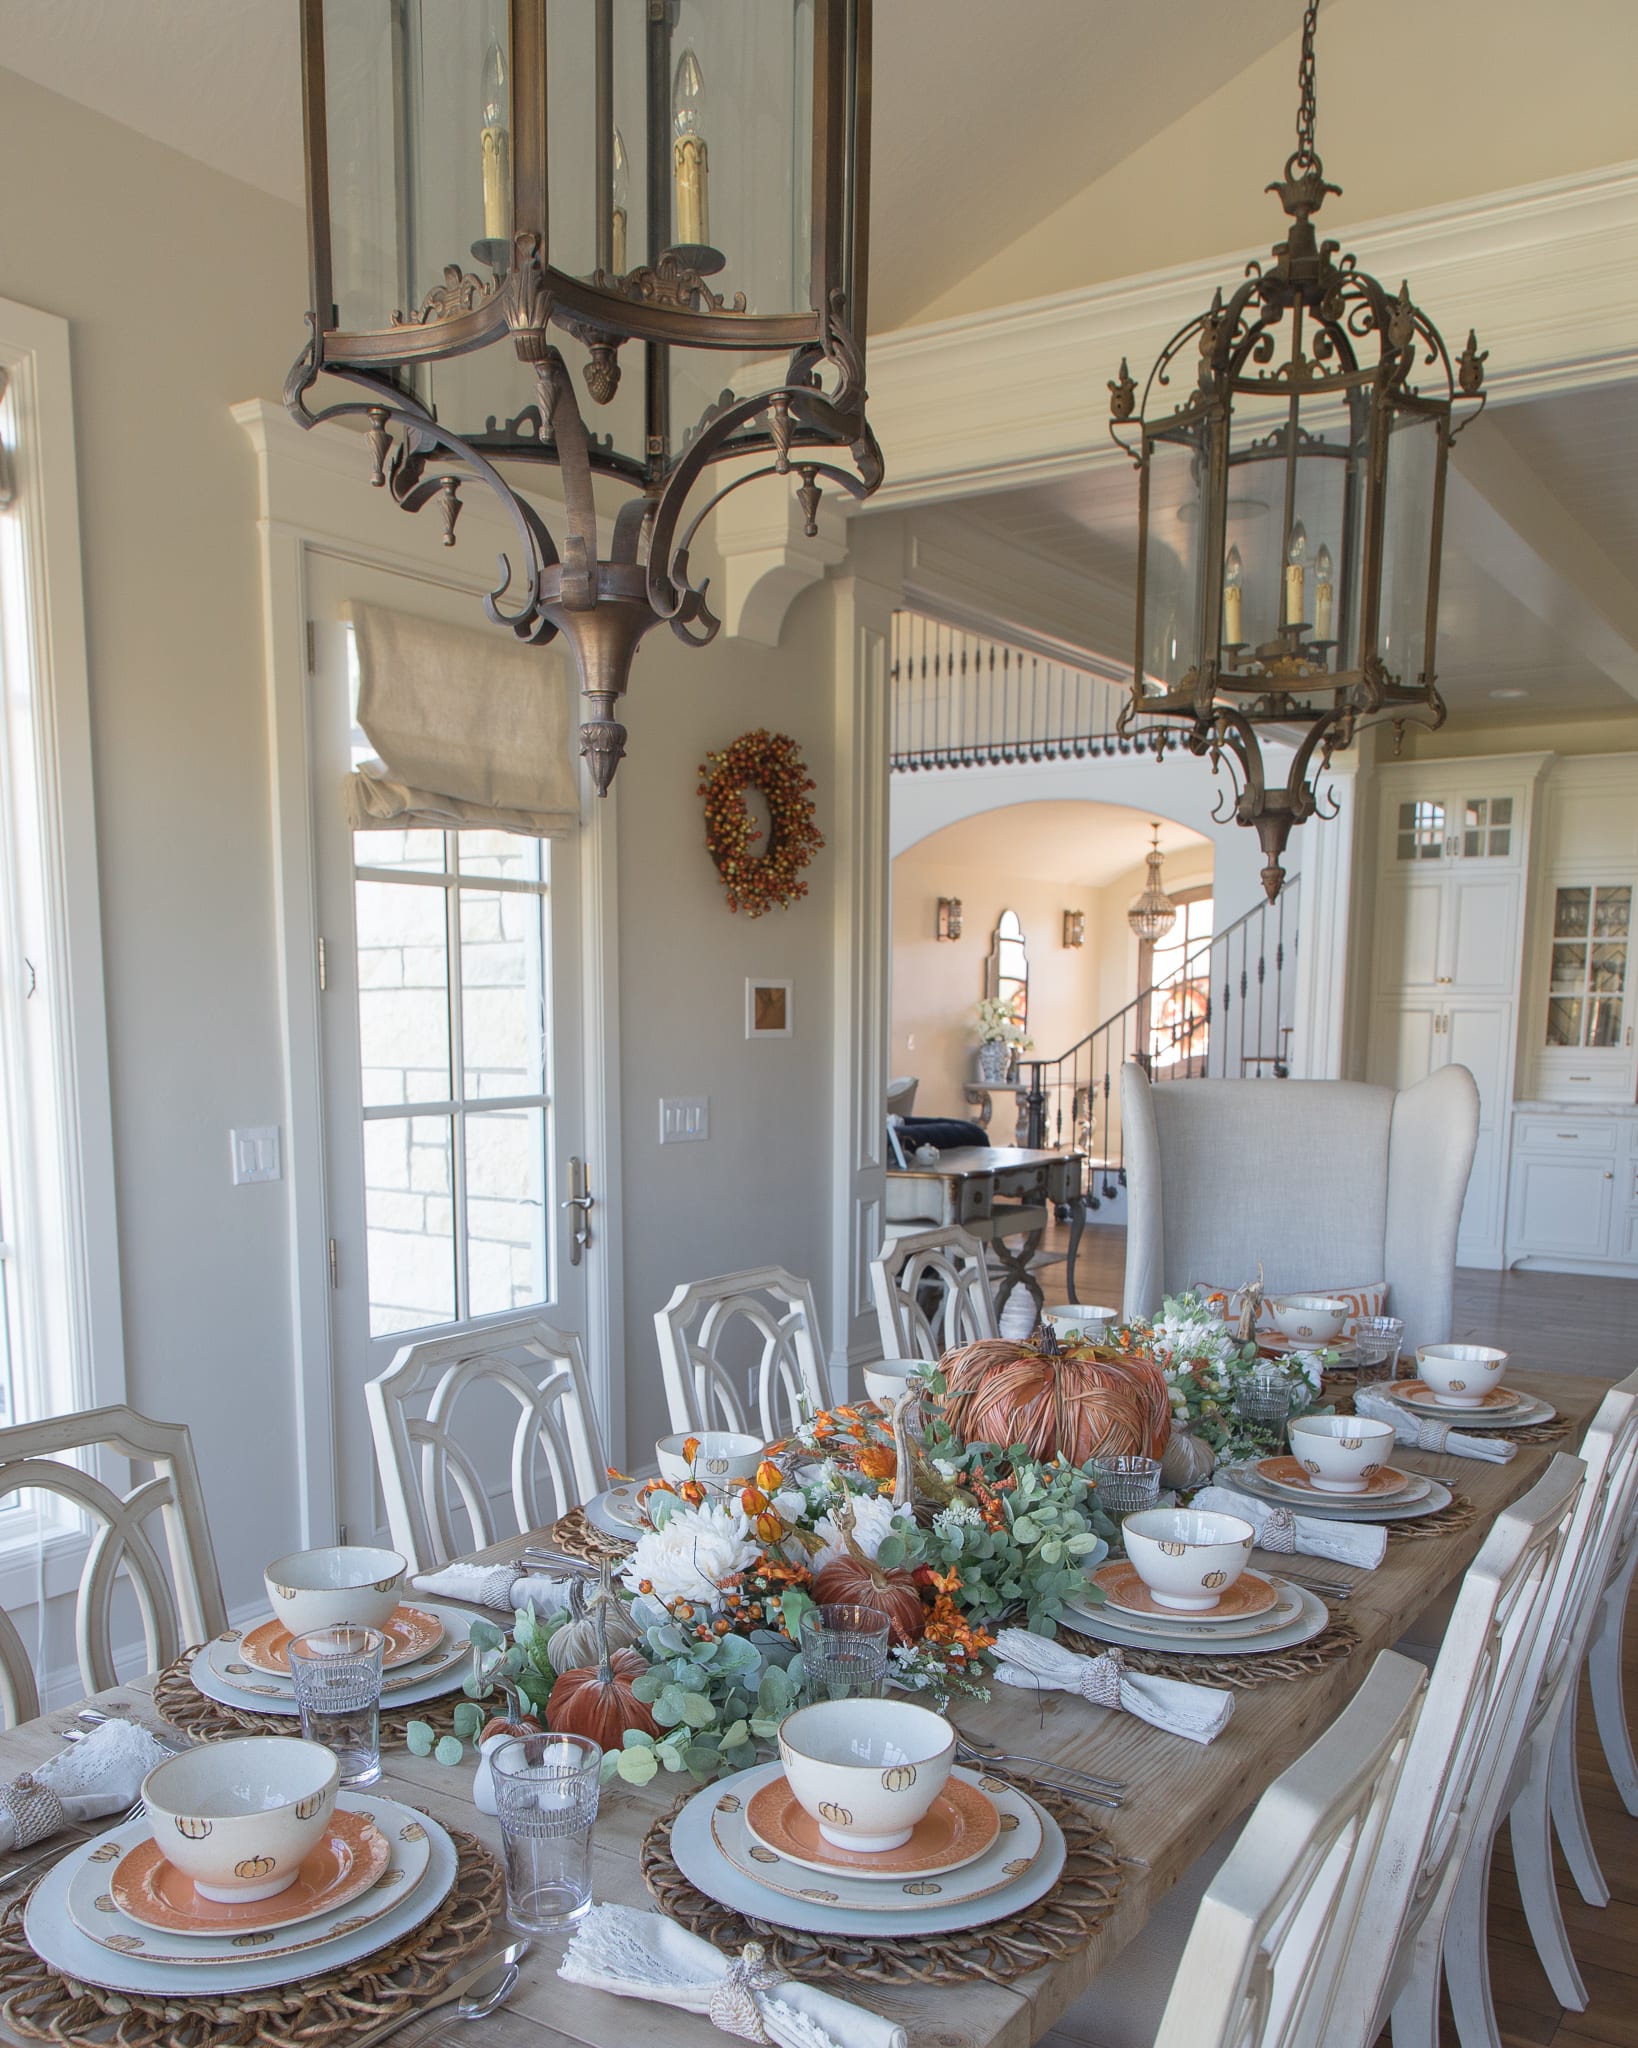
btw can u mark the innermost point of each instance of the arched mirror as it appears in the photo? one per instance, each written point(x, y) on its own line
point(1006, 972)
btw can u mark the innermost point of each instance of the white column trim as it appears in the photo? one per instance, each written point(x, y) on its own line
point(1320, 1006)
point(1015, 394)
point(314, 496)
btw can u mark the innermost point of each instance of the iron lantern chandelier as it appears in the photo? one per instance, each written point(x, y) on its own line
point(1153, 913)
point(1290, 511)
point(660, 204)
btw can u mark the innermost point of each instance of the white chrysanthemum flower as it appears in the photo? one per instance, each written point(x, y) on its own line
point(872, 1519)
point(693, 1554)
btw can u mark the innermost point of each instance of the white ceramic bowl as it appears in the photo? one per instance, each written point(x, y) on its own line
point(1340, 1452)
point(342, 1582)
point(238, 1817)
point(867, 1770)
point(1073, 1320)
point(1185, 1558)
point(1311, 1318)
point(888, 1378)
point(1460, 1375)
point(723, 1459)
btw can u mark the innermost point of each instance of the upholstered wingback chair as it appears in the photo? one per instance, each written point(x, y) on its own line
point(1327, 1183)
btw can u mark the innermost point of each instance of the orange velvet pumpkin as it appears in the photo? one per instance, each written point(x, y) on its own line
point(598, 1701)
point(858, 1582)
point(1074, 1404)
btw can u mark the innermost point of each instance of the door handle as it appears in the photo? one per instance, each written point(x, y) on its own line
point(582, 1202)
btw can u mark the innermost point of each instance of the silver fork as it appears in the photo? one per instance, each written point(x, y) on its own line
point(1095, 1791)
point(1333, 1589)
point(55, 1848)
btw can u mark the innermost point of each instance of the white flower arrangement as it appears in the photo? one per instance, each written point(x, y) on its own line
point(996, 1023)
point(691, 1552)
point(873, 1519)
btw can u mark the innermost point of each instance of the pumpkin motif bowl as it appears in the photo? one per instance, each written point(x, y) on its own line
point(238, 1817)
point(885, 1379)
point(1340, 1453)
point(1185, 1558)
point(867, 1770)
point(721, 1460)
point(341, 1582)
point(1076, 1321)
point(1460, 1375)
point(1310, 1318)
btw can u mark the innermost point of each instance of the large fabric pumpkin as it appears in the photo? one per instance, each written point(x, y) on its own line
point(598, 1701)
point(855, 1580)
point(1075, 1403)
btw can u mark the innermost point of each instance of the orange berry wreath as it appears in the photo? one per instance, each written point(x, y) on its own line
point(772, 763)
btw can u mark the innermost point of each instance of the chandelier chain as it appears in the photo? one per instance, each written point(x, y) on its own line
point(1305, 157)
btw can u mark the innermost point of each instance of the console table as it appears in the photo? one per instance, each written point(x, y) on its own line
point(996, 1192)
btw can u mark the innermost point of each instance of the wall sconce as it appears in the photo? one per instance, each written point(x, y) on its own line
point(1074, 927)
point(949, 918)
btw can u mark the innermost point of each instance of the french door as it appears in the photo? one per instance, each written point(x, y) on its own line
point(451, 1019)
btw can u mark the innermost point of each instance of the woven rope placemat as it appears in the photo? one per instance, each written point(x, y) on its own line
point(1053, 1927)
point(314, 2012)
point(1548, 1432)
point(1460, 1514)
point(573, 1534)
point(1244, 1673)
point(181, 1703)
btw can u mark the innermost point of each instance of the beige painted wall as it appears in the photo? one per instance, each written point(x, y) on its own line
point(1418, 104)
point(184, 292)
point(1465, 735)
point(937, 983)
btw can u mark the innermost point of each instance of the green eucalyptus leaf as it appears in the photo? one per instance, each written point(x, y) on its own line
point(697, 1711)
point(637, 1766)
point(636, 1738)
point(485, 1636)
point(469, 1718)
point(891, 1553)
point(419, 1738)
point(450, 1749)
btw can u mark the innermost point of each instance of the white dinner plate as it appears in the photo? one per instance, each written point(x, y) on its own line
point(1008, 1857)
point(614, 1512)
point(1286, 1609)
point(1525, 1415)
point(703, 1863)
point(263, 1694)
point(449, 1653)
point(1415, 1488)
point(94, 1913)
point(56, 1940)
point(1337, 1507)
point(1190, 1639)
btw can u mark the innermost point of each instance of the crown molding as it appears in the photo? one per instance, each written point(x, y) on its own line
point(1547, 274)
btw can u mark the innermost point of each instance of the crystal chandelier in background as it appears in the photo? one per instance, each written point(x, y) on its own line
point(1152, 914)
point(1291, 445)
point(674, 206)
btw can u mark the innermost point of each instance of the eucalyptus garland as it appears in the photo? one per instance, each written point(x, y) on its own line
point(772, 763)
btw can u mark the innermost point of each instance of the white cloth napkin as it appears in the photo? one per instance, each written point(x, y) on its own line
point(96, 1776)
point(642, 1955)
point(1362, 1544)
point(1426, 1433)
point(1199, 1712)
point(499, 1586)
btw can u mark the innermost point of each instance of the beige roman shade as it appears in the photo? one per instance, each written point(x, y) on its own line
point(469, 729)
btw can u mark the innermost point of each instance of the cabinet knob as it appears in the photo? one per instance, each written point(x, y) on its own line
point(1444, 980)
point(1610, 1175)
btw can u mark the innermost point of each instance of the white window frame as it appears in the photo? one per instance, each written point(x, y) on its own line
point(67, 1265)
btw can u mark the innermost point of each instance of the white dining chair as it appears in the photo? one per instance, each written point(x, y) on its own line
point(1455, 1777)
point(443, 1409)
point(1265, 1959)
point(932, 1292)
point(761, 1323)
point(1602, 1521)
point(1605, 1655)
point(176, 1610)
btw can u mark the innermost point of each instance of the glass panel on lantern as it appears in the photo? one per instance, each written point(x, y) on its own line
point(1253, 546)
point(1171, 585)
point(363, 123)
point(1317, 541)
point(1407, 546)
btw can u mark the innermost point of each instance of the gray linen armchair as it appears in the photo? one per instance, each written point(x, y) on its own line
point(1328, 1183)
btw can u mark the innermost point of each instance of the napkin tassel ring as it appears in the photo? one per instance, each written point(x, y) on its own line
point(35, 1809)
point(733, 2008)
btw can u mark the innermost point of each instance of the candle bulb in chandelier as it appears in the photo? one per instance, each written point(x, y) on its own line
point(1233, 599)
point(619, 206)
point(1324, 594)
point(1296, 574)
point(495, 135)
point(688, 152)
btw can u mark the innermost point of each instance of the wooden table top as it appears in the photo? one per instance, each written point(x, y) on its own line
point(1180, 1796)
point(960, 1161)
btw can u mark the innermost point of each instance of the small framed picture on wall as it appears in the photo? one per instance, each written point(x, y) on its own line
point(767, 1009)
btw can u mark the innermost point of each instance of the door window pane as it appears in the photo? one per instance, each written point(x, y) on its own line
point(1590, 965)
point(409, 1217)
point(505, 1210)
point(403, 992)
point(1421, 830)
point(503, 998)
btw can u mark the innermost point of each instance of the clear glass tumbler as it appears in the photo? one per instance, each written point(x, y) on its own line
point(1264, 1399)
point(844, 1653)
point(1126, 1486)
point(337, 1674)
point(546, 1789)
point(1377, 1340)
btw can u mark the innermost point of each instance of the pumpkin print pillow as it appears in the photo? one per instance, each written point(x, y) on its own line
point(1362, 1302)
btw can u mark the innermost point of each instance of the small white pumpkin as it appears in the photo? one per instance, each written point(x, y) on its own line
point(579, 1642)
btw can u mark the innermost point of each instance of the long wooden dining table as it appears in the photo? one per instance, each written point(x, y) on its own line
point(1180, 1796)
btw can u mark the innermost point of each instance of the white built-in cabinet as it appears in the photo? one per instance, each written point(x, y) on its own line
point(1452, 862)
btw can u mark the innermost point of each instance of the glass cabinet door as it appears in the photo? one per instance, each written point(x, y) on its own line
point(1588, 973)
point(1421, 833)
point(1487, 827)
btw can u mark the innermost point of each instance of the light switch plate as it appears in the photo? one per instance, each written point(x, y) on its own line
point(255, 1154)
point(684, 1119)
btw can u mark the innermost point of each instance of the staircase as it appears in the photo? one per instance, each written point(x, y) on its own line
point(1224, 1014)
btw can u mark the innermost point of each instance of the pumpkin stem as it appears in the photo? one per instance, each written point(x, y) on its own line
point(605, 1593)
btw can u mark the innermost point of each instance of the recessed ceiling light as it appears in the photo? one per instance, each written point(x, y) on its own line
point(1510, 693)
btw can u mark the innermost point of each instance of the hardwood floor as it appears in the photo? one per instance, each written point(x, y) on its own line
point(1548, 1322)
